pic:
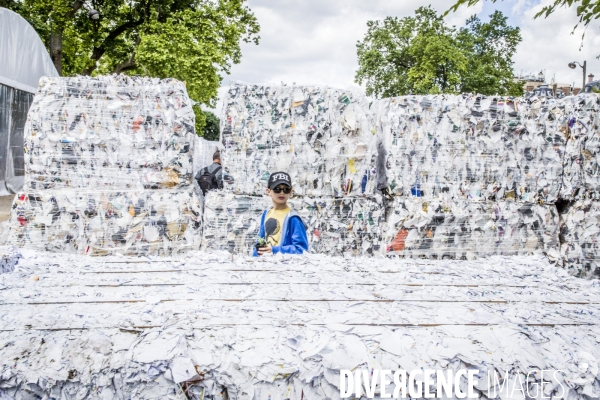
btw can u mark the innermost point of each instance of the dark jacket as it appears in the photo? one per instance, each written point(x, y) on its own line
point(293, 235)
point(211, 168)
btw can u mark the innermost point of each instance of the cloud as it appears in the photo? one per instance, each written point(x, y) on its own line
point(459, 17)
point(550, 44)
point(314, 41)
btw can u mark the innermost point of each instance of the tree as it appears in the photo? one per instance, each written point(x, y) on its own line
point(489, 48)
point(421, 54)
point(211, 129)
point(191, 40)
point(409, 55)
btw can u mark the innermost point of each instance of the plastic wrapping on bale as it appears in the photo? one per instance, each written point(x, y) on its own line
point(109, 168)
point(581, 123)
point(101, 223)
point(109, 132)
point(466, 229)
point(465, 147)
point(580, 238)
point(231, 222)
point(203, 153)
point(334, 226)
point(342, 226)
point(324, 138)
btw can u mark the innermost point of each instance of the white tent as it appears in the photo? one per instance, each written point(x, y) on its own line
point(24, 61)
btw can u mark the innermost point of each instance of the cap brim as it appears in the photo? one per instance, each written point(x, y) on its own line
point(279, 182)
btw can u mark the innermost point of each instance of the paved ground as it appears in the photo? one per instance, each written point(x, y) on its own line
point(5, 204)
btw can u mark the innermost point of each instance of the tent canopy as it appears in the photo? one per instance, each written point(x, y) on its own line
point(24, 58)
point(23, 61)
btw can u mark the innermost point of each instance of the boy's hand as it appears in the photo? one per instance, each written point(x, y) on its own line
point(265, 250)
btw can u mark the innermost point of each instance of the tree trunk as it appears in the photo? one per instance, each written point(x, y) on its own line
point(56, 50)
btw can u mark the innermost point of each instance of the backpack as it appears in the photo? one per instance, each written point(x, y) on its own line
point(208, 181)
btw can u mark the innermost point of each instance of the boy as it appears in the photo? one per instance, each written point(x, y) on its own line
point(281, 227)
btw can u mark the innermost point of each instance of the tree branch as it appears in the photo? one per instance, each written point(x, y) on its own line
point(75, 7)
point(129, 64)
point(99, 51)
point(125, 66)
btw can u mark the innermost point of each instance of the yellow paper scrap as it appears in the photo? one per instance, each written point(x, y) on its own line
point(351, 166)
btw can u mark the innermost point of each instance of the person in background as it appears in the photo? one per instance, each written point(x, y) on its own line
point(211, 177)
point(281, 228)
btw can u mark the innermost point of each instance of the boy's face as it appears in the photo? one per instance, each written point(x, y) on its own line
point(280, 198)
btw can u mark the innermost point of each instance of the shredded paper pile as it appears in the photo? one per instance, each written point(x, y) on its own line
point(209, 327)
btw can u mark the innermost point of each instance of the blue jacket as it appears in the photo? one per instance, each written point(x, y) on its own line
point(293, 235)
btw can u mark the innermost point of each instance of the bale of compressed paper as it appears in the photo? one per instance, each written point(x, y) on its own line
point(109, 168)
point(325, 138)
point(231, 222)
point(109, 132)
point(334, 226)
point(580, 238)
point(476, 148)
point(343, 226)
point(146, 222)
point(581, 123)
point(464, 229)
point(286, 327)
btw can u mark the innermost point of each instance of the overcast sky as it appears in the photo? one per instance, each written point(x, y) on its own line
point(314, 41)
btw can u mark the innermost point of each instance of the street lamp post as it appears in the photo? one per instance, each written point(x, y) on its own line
point(573, 65)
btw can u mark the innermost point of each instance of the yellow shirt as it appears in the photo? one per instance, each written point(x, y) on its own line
point(273, 225)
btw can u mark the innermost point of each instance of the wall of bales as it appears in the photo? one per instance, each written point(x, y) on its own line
point(462, 176)
point(109, 166)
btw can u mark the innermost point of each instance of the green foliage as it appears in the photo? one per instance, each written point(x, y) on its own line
point(438, 62)
point(200, 119)
point(490, 47)
point(195, 41)
point(211, 128)
point(421, 55)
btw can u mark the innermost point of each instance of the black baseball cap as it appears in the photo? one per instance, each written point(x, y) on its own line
point(279, 178)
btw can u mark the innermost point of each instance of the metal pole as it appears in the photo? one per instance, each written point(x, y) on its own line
point(584, 67)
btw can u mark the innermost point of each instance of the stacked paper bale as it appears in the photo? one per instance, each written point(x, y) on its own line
point(580, 192)
point(472, 176)
point(580, 123)
point(490, 166)
point(466, 229)
point(580, 238)
point(326, 139)
point(108, 168)
point(343, 226)
point(463, 147)
point(231, 221)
